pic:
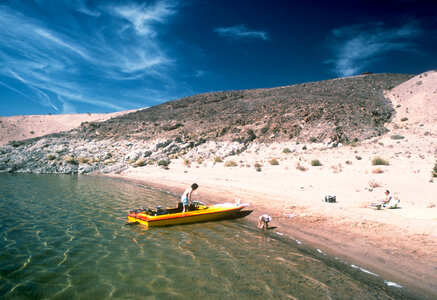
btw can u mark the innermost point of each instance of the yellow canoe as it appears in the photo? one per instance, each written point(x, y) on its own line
point(196, 213)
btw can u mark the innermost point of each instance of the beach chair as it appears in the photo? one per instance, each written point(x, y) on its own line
point(393, 203)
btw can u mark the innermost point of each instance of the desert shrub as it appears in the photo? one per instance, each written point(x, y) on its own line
point(109, 162)
point(264, 129)
point(82, 160)
point(51, 157)
point(353, 144)
point(16, 144)
point(378, 161)
point(32, 132)
point(187, 162)
point(373, 184)
point(358, 157)
point(257, 167)
point(434, 170)
point(348, 162)
point(316, 163)
point(300, 167)
point(304, 147)
point(163, 163)
point(313, 139)
point(230, 163)
point(286, 150)
point(200, 160)
point(69, 160)
point(397, 137)
point(140, 163)
point(404, 119)
point(218, 159)
point(274, 162)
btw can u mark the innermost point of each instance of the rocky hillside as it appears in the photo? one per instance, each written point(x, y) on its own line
point(330, 112)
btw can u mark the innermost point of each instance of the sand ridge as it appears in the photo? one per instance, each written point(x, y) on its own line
point(18, 128)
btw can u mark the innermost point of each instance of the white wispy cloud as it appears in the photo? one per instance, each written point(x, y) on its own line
point(61, 63)
point(356, 47)
point(142, 16)
point(241, 32)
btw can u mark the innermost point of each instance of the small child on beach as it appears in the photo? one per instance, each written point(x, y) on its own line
point(263, 222)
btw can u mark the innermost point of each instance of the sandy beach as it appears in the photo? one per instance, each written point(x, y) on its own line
point(397, 244)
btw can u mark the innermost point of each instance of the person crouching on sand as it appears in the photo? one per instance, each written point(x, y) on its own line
point(263, 222)
point(186, 196)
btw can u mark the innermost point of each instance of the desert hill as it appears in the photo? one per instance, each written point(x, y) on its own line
point(341, 110)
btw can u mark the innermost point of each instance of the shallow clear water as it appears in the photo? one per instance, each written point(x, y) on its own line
point(65, 236)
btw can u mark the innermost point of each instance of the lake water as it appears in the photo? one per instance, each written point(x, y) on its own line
point(64, 237)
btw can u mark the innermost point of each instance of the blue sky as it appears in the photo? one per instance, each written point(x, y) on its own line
point(103, 56)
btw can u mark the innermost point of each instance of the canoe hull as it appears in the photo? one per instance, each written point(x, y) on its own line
point(204, 214)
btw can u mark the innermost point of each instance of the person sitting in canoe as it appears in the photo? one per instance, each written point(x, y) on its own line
point(186, 196)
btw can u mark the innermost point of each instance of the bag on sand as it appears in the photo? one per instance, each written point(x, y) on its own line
point(330, 199)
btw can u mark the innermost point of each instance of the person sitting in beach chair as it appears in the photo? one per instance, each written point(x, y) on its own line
point(388, 202)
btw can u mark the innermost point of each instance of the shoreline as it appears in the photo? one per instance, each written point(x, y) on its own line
point(387, 251)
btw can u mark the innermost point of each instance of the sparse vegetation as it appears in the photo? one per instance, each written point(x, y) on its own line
point(316, 163)
point(397, 137)
point(404, 119)
point(373, 184)
point(230, 163)
point(187, 162)
point(82, 160)
point(378, 161)
point(434, 170)
point(257, 167)
point(286, 150)
point(313, 139)
point(69, 160)
point(163, 163)
point(218, 159)
point(139, 163)
point(274, 162)
point(51, 157)
point(16, 144)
